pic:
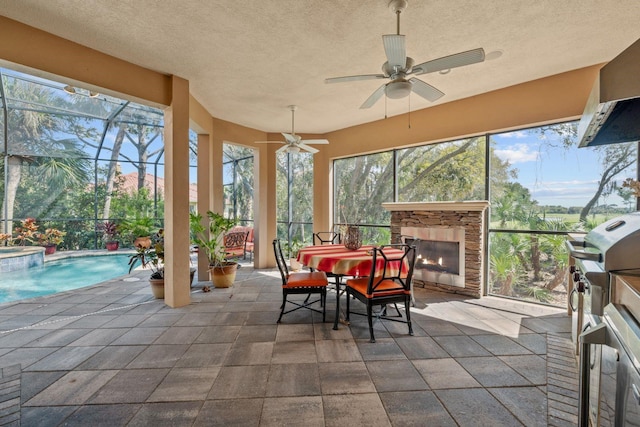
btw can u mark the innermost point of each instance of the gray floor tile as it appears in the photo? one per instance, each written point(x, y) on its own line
point(528, 404)
point(112, 357)
point(345, 378)
point(234, 382)
point(58, 338)
point(74, 388)
point(184, 384)
point(285, 352)
point(533, 368)
point(218, 334)
point(34, 382)
point(138, 336)
point(158, 356)
point(297, 379)
point(397, 375)
point(249, 353)
point(337, 351)
point(45, 416)
point(20, 338)
point(130, 386)
point(204, 355)
point(291, 411)
point(421, 348)
point(416, 408)
point(461, 346)
point(99, 337)
point(294, 332)
point(382, 349)
point(165, 319)
point(25, 356)
point(476, 407)
point(257, 333)
point(500, 345)
point(64, 359)
point(179, 335)
point(444, 373)
point(492, 372)
point(354, 409)
point(230, 412)
point(102, 415)
point(166, 414)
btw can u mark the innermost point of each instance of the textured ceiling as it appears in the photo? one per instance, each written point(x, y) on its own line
point(246, 60)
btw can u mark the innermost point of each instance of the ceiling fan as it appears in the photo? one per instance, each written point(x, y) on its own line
point(294, 143)
point(399, 67)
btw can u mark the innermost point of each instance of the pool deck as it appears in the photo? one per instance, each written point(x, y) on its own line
point(111, 355)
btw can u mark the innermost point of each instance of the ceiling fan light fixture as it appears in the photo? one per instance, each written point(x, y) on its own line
point(93, 94)
point(69, 89)
point(293, 149)
point(398, 90)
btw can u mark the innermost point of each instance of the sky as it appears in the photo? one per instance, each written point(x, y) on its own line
point(555, 176)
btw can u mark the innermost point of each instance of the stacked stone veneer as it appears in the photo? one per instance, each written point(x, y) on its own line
point(448, 216)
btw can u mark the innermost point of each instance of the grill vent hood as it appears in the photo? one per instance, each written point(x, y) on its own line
point(612, 113)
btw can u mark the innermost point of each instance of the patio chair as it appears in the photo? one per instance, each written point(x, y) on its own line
point(311, 282)
point(388, 283)
point(327, 238)
point(234, 243)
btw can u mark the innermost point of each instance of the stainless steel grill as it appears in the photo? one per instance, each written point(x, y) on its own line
point(609, 250)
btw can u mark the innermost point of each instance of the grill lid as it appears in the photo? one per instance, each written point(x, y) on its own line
point(617, 241)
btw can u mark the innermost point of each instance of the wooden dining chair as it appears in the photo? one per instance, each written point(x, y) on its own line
point(327, 238)
point(388, 283)
point(309, 282)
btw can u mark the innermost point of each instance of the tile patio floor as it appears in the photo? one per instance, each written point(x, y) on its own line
point(111, 355)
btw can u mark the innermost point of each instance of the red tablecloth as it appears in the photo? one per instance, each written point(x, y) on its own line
point(339, 260)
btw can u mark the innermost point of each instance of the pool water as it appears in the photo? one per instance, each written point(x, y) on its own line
point(61, 275)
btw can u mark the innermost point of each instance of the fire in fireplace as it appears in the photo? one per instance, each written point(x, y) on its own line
point(438, 256)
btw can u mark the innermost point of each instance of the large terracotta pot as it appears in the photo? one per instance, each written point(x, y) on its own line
point(157, 288)
point(223, 276)
point(142, 242)
point(112, 246)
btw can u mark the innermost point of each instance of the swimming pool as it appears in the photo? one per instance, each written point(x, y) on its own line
point(61, 275)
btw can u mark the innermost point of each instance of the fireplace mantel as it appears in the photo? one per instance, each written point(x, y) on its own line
point(469, 206)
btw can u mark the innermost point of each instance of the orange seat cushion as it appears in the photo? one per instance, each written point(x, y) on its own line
point(385, 288)
point(306, 280)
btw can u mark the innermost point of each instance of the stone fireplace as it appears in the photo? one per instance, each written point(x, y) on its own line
point(450, 253)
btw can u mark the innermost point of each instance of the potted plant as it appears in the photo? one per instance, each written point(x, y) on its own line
point(151, 257)
point(210, 240)
point(140, 229)
point(50, 239)
point(109, 230)
point(26, 232)
point(292, 249)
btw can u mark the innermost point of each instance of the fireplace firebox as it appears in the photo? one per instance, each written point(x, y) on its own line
point(439, 254)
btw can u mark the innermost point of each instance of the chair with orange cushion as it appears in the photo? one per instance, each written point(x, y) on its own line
point(388, 283)
point(310, 282)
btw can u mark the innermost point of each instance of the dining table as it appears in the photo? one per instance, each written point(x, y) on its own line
point(339, 261)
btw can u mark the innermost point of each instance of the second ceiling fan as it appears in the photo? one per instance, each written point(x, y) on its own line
point(399, 67)
point(294, 143)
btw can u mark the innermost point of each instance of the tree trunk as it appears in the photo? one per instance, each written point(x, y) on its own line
point(111, 173)
point(535, 257)
point(559, 274)
point(14, 172)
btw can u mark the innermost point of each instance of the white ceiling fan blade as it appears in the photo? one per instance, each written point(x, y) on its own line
point(425, 90)
point(394, 47)
point(269, 142)
point(448, 62)
point(290, 138)
point(355, 78)
point(305, 147)
point(373, 98)
point(315, 141)
point(283, 149)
